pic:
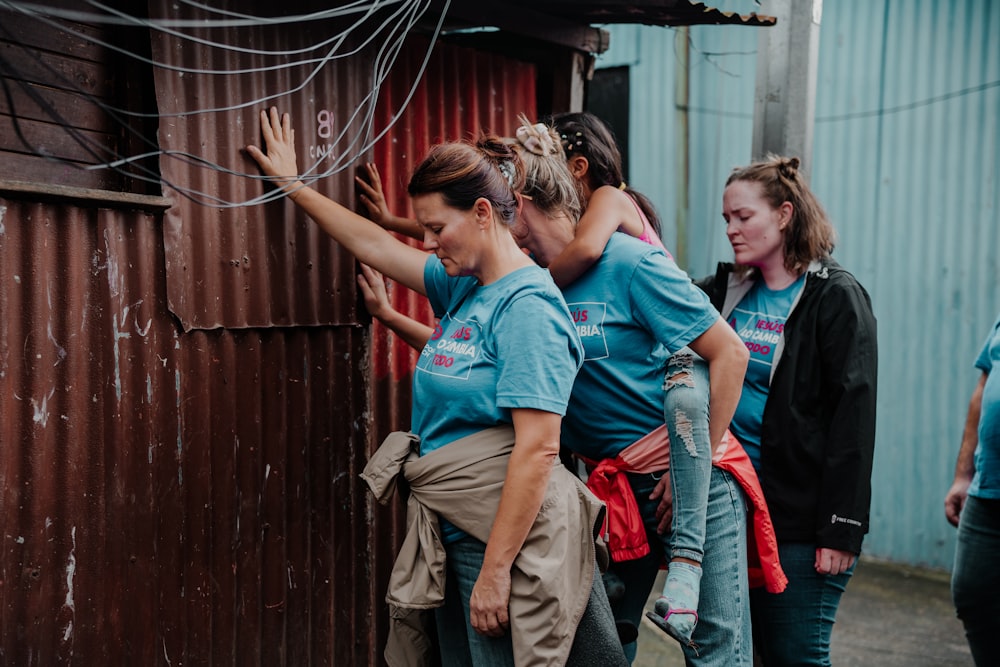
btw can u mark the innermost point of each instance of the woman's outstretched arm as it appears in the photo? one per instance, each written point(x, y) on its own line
point(363, 238)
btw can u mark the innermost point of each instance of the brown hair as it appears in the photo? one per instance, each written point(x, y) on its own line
point(809, 235)
point(463, 172)
point(583, 133)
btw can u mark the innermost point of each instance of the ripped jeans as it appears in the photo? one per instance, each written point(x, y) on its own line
point(686, 413)
point(723, 633)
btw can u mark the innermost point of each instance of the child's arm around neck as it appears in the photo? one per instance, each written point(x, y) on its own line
point(608, 210)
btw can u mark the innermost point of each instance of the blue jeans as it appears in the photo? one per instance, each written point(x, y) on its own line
point(460, 644)
point(685, 411)
point(975, 579)
point(723, 630)
point(596, 641)
point(794, 627)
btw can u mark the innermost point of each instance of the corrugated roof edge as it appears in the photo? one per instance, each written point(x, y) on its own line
point(650, 12)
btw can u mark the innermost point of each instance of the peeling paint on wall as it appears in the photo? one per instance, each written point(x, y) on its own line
point(116, 336)
point(70, 574)
point(180, 430)
point(60, 350)
point(41, 410)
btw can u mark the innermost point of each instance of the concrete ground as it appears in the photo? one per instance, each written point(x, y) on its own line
point(890, 616)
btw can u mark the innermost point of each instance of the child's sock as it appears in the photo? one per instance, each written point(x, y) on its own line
point(679, 604)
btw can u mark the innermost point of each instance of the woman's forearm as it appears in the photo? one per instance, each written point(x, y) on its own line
point(406, 226)
point(364, 239)
point(727, 359)
point(414, 333)
point(535, 452)
point(725, 379)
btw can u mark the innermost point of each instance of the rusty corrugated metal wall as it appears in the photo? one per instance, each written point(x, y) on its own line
point(249, 266)
point(187, 396)
point(169, 498)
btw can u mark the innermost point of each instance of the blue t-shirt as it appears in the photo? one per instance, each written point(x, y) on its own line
point(633, 309)
point(986, 481)
point(509, 344)
point(759, 321)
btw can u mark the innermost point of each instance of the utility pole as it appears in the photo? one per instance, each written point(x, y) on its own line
point(785, 97)
point(682, 161)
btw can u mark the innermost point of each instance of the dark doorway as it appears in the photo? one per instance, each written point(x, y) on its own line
point(608, 98)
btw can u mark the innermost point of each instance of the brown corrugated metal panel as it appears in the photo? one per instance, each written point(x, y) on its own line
point(223, 264)
point(170, 497)
point(257, 265)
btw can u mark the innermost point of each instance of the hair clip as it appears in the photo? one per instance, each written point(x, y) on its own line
point(569, 144)
point(508, 171)
point(535, 138)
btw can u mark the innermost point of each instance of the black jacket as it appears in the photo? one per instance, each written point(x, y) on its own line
point(818, 431)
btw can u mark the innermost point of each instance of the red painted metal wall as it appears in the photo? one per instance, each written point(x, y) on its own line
point(463, 92)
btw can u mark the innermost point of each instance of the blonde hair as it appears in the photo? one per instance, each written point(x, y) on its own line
point(547, 179)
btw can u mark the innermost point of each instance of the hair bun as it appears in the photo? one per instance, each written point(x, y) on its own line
point(787, 166)
point(504, 158)
point(536, 138)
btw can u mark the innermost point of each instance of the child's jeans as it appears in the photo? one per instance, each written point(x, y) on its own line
point(685, 411)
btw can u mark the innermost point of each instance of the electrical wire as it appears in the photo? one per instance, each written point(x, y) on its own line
point(145, 23)
point(343, 161)
point(396, 26)
point(228, 12)
point(399, 25)
point(247, 21)
point(330, 56)
point(874, 113)
point(909, 106)
point(857, 115)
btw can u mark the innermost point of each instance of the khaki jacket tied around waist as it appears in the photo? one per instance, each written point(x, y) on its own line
point(550, 578)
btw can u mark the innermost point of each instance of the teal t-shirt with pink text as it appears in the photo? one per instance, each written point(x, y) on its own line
point(633, 308)
point(509, 344)
point(759, 320)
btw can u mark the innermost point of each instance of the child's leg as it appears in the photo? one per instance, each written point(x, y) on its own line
point(686, 412)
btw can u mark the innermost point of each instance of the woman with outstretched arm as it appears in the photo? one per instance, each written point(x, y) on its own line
point(489, 393)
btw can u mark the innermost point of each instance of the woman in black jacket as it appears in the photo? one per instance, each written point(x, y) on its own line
point(807, 412)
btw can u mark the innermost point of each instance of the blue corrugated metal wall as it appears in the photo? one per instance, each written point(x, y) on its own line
point(907, 140)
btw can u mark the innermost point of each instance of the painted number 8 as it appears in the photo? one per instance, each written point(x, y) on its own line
point(325, 119)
